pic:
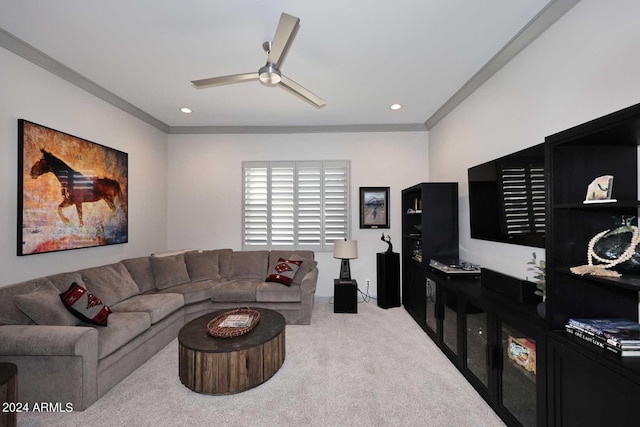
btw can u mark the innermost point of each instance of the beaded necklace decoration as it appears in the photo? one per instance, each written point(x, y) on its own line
point(602, 269)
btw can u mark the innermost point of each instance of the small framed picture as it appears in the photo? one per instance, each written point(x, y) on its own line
point(374, 207)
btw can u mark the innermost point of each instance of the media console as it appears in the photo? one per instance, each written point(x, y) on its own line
point(496, 343)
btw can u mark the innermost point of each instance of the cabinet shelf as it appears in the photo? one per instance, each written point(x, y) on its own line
point(412, 236)
point(628, 281)
point(614, 206)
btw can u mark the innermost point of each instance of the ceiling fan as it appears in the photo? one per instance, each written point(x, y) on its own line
point(270, 74)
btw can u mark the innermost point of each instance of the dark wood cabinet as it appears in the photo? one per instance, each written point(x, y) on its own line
point(586, 386)
point(496, 343)
point(429, 230)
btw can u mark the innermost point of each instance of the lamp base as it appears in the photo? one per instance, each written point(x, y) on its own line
point(345, 272)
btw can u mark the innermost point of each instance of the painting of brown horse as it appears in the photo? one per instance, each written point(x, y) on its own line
point(72, 193)
point(76, 188)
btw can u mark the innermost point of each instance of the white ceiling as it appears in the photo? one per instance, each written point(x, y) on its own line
point(359, 55)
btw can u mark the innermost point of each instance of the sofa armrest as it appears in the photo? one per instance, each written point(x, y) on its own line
point(309, 282)
point(41, 340)
point(55, 363)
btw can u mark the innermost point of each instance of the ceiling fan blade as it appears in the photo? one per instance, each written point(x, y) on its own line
point(294, 87)
point(223, 80)
point(286, 31)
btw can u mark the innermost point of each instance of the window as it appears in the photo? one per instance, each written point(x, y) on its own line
point(295, 205)
point(523, 198)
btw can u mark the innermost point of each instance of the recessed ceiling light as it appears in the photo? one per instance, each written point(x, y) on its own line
point(396, 106)
point(186, 110)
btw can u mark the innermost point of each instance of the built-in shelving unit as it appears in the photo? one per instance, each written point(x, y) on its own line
point(429, 229)
point(586, 386)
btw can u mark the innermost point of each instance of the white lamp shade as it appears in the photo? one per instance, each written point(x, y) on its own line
point(345, 249)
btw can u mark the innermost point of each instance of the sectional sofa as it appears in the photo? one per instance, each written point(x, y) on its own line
point(63, 359)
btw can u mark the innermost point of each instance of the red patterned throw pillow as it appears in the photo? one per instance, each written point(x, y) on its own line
point(84, 305)
point(283, 271)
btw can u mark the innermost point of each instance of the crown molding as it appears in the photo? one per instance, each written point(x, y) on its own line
point(200, 130)
point(41, 59)
point(538, 25)
point(534, 28)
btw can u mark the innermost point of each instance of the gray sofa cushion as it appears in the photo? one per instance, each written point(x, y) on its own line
point(62, 281)
point(241, 290)
point(276, 292)
point(123, 327)
point(169, 270)
point(141, 272)
point(195, 291)
point(44, 307)
point(111, 283)
point(10, 314)
point(203, 265)
point(157, 306)
point(249, 265)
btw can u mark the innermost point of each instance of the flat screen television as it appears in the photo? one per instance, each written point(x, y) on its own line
point(507, 198)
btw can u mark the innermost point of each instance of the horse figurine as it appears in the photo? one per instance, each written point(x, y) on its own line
point(76, 187)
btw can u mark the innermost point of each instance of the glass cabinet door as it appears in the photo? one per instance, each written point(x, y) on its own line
point(431, 320)
point(476, 338)
point(518, 376)
point(450, 321)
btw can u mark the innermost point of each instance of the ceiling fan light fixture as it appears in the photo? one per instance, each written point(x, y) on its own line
point(269, 74)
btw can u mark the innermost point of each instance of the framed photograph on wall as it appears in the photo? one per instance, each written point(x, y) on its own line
point(374, 207)
point(72, 193)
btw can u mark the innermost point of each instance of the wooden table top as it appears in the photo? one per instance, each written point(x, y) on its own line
point(194, 335)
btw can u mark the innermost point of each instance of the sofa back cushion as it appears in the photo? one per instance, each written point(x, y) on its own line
point(248, 265)
point(141, 272)
point(307, 258)
point(169, 270)
point(62, 281)
point(10, 314)
point(111, 283)
point(204, 265)
point(44, 306)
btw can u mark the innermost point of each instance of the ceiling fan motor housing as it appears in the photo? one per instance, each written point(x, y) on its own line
point(269, 74)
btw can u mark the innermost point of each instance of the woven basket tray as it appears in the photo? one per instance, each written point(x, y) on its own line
point(215, 330)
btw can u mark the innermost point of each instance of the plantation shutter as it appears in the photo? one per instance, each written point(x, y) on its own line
point(256, 204)
point(336, 201)
point(310, 205)
point(523, 198)
point(297, 205)
point(282, 204)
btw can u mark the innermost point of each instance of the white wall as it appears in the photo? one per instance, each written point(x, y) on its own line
point(585, 66)
point(205, 182)
point(29, 92)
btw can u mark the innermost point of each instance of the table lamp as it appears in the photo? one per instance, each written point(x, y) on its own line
point(345, 250)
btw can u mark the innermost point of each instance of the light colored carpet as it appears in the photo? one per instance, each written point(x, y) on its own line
point(374, 368)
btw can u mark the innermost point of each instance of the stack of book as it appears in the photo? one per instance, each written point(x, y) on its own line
point(237, 321)
point(618, 336)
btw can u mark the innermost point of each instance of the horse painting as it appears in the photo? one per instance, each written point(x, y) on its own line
point(76, 187)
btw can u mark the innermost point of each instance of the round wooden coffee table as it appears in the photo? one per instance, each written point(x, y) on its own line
point(211, 365)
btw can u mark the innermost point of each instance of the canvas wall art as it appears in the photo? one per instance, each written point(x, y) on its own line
point(72, 193)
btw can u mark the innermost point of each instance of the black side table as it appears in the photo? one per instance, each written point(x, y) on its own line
point(345, 297)
point(8, 394)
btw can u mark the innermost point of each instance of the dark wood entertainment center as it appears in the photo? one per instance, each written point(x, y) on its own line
point(568, 382)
